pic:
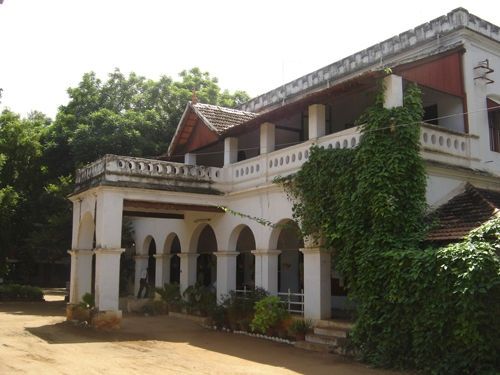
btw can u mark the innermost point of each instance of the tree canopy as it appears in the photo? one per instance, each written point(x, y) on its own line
point(123, 114)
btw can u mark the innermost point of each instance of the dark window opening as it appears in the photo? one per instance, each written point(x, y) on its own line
point(431, 114)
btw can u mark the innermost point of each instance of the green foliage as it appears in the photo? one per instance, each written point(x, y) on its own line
point(301, 326)
point(170, 293)
point(128, 115)
point(434, 309)
point(269, 313)
point(88, 300)
point(240, 309)
point(199, 299)
point(15, 292)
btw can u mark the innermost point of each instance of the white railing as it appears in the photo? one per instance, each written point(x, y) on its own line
point(438, 144)
point(294, 302)
point(140, 167)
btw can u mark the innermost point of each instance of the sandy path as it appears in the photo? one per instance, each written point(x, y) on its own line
point(34, 339)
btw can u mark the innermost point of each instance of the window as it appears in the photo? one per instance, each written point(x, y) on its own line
point(431, 114)
point(494, 124)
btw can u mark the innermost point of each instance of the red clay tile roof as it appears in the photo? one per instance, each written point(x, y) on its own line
point(221, 118)
point(463, 213)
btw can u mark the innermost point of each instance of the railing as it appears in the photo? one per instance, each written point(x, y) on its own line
point(139, 167)
point(294, 302)
point(438, 144)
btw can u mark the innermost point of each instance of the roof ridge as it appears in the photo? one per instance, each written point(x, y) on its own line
point(234, 110)
point(480, 194)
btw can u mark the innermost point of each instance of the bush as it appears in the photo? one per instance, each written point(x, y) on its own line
point(16, 292)
point(300, 327)
point(88, 301)
point(170, 293)
point(269, 313)
point(437, 309)
point(199, 300)
point(240, 308)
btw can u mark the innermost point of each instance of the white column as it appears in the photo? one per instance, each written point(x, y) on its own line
point(226, 272)
point(393, 94)
point(190, 159)
point(162, 272)
point(81, 274)
point(316, 121)
point(317, 287)
point(267, 137)
point(266, 270)
point(188, 270)
point(109, 211)
point(141, 263)
point(107, 278)
point(230, 150)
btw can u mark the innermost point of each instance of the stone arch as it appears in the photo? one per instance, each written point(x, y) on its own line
point(86, 232)
point(149, 248)
point(172, 248)
point(206, 264)
point(244, 240)
point(291, 261)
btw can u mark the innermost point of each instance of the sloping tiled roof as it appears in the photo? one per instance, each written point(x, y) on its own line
point(221, 119)
point(463, 213)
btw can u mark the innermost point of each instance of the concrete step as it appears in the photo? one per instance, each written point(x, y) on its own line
point(334, 324)
point(312, 346)
point(320, 339)
point(332, 332)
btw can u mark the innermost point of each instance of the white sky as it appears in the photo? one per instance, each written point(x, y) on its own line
point(47, 45)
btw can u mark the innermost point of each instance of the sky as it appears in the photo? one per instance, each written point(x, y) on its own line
point(47, 45)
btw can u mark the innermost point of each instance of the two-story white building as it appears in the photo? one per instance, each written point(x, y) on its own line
point(222, 157)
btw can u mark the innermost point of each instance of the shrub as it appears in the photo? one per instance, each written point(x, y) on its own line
point(240, 308)
point(16, 292)
point(269, 313)
point(300, 327)
point(170, 293)
point(88, 301)
point(199, 299)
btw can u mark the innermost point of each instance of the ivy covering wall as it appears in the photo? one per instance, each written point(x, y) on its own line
point(432, 309)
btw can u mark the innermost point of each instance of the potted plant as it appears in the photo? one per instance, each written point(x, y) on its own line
point(299, 328)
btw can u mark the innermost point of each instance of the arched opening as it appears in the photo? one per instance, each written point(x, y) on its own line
point(206, 264)
point(86, 233)
point(175, 261)
point(151, 262)
point(291, 260)
point(245, 261)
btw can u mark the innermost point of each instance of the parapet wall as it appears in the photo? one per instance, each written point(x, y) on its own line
point(375, 55)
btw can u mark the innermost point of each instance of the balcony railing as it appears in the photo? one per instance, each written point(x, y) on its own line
point(438, 144)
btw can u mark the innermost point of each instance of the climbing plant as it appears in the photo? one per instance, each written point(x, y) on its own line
point(416, 307)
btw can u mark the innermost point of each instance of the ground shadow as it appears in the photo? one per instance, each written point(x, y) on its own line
point(46, 308)
point(148, 330)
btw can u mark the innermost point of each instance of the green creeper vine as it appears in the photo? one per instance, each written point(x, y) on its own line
point(416, 308)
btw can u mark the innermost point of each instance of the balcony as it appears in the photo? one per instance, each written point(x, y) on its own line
point(438, 145)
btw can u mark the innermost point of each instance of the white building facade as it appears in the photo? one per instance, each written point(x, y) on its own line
point(224, 158)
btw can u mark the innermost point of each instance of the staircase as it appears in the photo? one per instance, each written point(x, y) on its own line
point(329, 336)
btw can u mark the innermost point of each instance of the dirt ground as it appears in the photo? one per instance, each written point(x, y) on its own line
point(35, 339)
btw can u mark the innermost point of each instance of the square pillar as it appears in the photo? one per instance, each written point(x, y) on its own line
point(317, 287)
point(393, 94)
point(226, 272)
point(230, 150)
point(162, 271)
point(267, 138)
point(266, 270)
point(81, 274)
point(109, 212)
point(190, 159)
point(188, 270)
point(141, 263)
point(316, 121)
point(107, 278)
